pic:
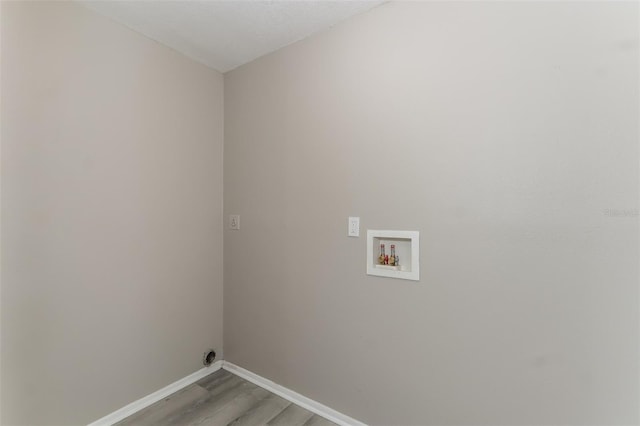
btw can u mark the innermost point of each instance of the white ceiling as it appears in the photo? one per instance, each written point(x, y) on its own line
point(227, 34)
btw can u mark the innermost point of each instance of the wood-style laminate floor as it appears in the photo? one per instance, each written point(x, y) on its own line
point(222, 399)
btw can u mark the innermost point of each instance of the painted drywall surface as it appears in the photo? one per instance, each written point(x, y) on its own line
point(226, 34)
point(508, 135)
point(111, 220)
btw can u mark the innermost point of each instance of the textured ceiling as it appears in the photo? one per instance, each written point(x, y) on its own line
point(227, 34)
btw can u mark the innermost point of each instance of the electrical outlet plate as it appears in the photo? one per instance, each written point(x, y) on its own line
point(354, 227)
point(234, 222)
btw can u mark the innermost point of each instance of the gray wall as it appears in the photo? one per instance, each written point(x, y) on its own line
point(111, 214)
point(508, 135)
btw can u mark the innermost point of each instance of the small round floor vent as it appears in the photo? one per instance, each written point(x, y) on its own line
point(209, 357)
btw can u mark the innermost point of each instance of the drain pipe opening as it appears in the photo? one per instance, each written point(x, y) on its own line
point(209, 357)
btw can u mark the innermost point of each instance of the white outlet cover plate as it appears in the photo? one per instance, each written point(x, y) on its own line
point(354, 227)
point(234, 221)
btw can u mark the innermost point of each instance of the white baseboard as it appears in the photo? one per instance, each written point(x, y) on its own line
point(304, 402)
point(146, 401)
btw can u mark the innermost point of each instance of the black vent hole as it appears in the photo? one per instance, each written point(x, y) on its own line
point(209, 357)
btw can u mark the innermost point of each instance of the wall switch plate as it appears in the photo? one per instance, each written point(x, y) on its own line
point(234, 222)
point(354, 227)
